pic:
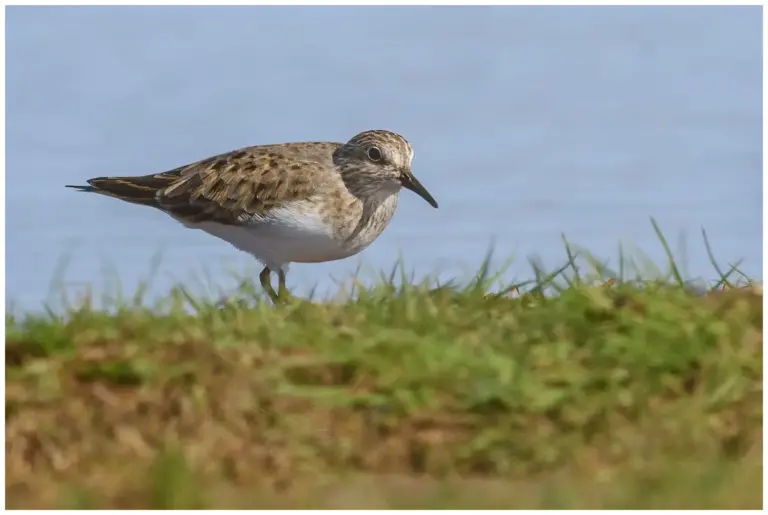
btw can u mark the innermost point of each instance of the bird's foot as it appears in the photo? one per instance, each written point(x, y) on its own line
point(282, 296)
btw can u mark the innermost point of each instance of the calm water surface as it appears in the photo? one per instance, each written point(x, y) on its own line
point(527, 123)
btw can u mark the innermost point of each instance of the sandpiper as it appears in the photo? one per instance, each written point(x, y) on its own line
point(305, 202)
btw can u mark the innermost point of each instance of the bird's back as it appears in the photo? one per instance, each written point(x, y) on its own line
point(227, 187)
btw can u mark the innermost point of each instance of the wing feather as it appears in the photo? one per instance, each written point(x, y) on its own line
point(228, 188)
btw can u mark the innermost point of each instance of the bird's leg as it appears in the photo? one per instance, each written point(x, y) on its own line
point(281, 288)
point(264, 277)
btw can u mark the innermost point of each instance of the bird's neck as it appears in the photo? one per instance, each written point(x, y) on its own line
point(377, 210)
point(367, 189)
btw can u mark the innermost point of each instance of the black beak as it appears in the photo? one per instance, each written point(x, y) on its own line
point(410, 182)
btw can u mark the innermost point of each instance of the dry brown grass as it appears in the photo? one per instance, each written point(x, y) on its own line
point(619, 397)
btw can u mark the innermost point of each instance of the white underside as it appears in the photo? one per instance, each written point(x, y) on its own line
point(287, 235)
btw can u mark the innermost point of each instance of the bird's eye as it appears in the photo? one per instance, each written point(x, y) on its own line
point(374, 154)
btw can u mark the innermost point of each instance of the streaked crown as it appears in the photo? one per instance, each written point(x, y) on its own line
point(378, 161)
point(383, 149)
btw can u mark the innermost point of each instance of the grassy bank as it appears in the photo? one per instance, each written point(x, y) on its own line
point(568, 392)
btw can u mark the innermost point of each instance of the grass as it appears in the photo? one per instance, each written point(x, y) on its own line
point(578, 389)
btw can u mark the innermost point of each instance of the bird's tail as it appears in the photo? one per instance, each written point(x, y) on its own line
point(137, 190)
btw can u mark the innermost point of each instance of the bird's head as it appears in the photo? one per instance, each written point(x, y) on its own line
point(379, 161)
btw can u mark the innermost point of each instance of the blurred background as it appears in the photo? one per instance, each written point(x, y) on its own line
point(527, 123)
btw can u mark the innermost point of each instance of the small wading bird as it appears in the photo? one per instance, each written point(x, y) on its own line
point(285, 203)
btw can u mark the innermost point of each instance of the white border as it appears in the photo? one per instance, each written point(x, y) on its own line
point(2, 221)
point(386, 2)
point(338, 3)
point(765, 262)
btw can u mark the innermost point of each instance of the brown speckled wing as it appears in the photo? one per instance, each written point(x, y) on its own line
point(229, 188)
point(239, 184)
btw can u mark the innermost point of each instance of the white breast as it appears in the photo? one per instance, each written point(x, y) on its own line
point(294, 233)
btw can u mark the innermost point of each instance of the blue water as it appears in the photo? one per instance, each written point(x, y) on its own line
point(527, 123)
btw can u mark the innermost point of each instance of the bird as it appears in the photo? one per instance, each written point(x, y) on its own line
point(284, 203)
